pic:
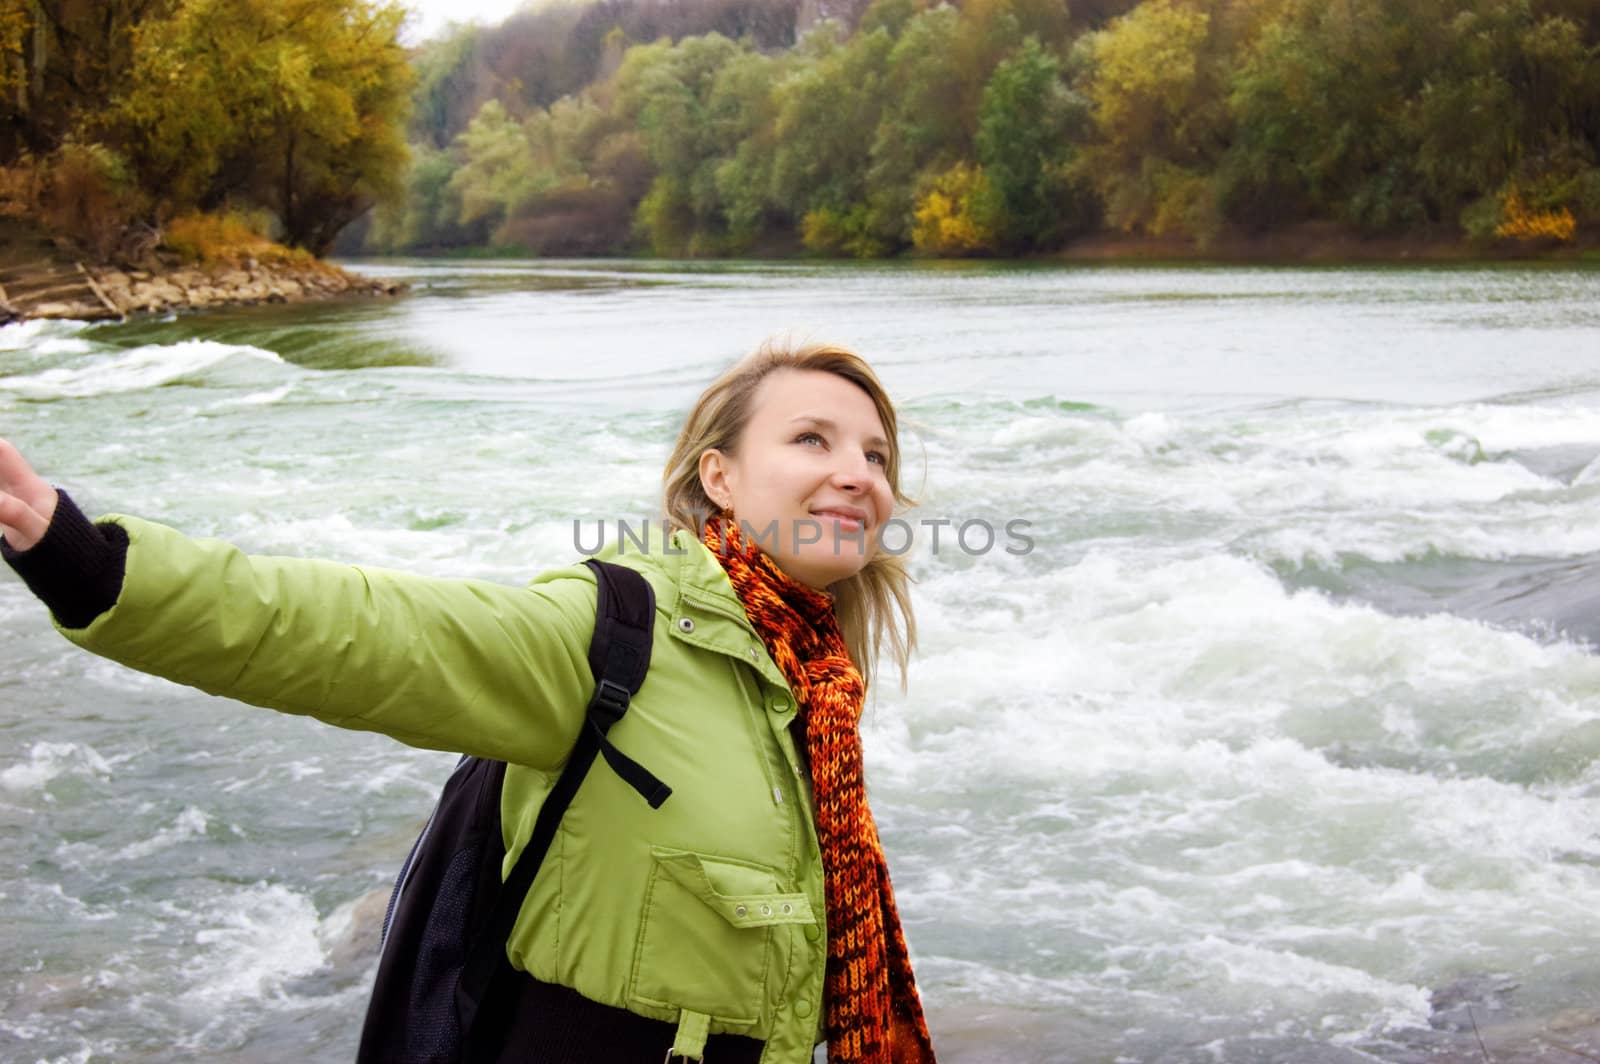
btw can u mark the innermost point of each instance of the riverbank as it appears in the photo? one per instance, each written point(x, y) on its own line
point(42, 276)
point(1316, 242)
point(1312, 243)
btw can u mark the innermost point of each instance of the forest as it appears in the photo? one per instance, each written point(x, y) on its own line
point(773, 127)
point(1000, 127)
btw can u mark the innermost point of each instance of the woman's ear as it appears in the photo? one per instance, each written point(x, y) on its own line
point(714, 477)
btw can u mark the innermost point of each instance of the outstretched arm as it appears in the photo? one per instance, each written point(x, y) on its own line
point(452, 664)
point(26, 502)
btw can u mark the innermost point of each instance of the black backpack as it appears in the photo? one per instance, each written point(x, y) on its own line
point(443, 957)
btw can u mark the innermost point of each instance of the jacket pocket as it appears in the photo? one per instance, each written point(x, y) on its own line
point(705, 938)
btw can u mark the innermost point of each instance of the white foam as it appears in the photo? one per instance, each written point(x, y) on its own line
point(27, 335)
point(1298, 486)
point(133, 370)
point(251, 943)
point(47, 761)
point(1392, 1005)
point(1147, 749)
point(190, 824)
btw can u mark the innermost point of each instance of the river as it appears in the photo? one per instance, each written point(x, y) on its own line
point(1278, 740)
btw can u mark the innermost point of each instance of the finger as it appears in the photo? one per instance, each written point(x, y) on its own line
point(18, 478)
point(21, 524)
point(14, 469)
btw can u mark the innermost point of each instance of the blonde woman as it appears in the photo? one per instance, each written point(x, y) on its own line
point(748, 918)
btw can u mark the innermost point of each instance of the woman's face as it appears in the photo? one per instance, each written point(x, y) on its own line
point(808, 479)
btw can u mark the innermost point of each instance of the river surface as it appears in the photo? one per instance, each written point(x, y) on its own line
point(1277, 740)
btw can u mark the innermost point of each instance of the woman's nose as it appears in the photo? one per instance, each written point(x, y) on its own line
point(853, 474)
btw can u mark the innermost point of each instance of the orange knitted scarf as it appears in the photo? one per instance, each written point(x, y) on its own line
point(871, 1009)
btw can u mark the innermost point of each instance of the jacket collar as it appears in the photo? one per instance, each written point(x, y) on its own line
point(704, 596)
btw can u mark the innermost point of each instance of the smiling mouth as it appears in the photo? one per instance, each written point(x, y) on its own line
point(850, 518)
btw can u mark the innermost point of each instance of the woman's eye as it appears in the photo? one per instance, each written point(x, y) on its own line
point(877, 456)
point(808, 437)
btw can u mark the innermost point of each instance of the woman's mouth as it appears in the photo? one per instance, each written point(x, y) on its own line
point(848, 518)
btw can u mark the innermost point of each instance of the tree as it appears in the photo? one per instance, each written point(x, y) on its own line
point(295, 104)
point(828, 113)
point(1028, 128)
point(428, 215)
point(1393, 117)
point(695, 103)
point(1149, 87)
point(443, 101)
point(497, 172)
point(923, 129)
point(60, 61)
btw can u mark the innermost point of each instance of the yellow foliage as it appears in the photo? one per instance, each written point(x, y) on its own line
point(820, 230)
point(1146, 70)
point(230, 237)
point(947, 222)
point(1523, 224)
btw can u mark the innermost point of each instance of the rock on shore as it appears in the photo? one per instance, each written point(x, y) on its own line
point(45, 277)
point(58, 288)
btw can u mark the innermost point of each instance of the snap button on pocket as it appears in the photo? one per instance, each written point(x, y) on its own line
point(741, 911)
point(802, 1008)
point(766, 910)
point(787, 908)
point(813, 932)
point(685, 625)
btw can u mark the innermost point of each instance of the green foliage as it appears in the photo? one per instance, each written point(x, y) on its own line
point(427, 216)
point(923, 128)
point(704, 111)
point(828, 112)
point(1394, 118)
point(443, 92)
point(1029, 127)
point(1001, 127)
point(830, 231)
point(665, 219)
point(706, 127)
point(497, 172)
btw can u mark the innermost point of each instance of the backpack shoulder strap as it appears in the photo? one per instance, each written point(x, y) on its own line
point(619, 656)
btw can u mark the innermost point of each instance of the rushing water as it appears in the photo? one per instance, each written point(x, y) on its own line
point(1281, 743)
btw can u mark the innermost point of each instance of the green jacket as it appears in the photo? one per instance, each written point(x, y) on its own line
point(707, 912)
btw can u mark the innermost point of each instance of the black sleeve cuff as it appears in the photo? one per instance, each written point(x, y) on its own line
point(77, 568)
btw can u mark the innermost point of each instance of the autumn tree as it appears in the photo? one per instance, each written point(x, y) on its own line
point(294, 104)
point(1152, 85)
point(60, 61)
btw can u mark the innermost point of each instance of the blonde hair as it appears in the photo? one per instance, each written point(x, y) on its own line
point(874, 605)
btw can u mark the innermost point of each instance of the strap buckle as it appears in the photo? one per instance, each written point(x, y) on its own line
point(609, 703)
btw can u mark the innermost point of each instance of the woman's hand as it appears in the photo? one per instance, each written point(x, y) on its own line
point(27, 501)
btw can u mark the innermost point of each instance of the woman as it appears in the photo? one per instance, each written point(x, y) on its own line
point(746, 919)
